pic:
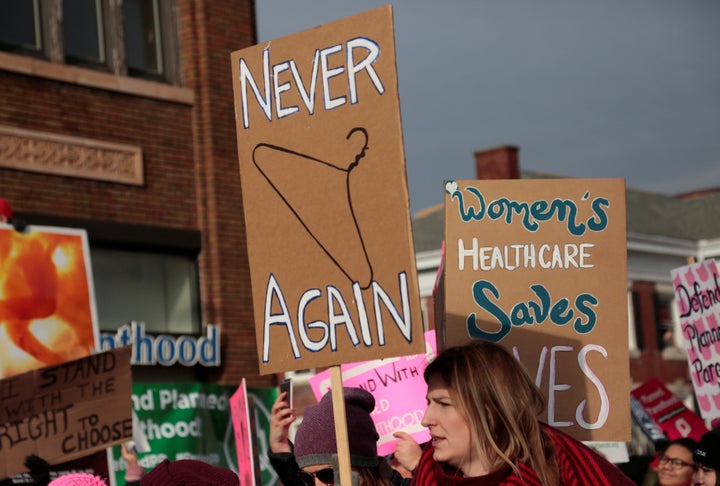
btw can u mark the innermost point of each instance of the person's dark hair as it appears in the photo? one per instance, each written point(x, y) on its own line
point(686, 442)
point(501, 404)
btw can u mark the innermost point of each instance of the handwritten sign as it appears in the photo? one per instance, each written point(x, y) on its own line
point(539, 266)
point(670, 414)
point(65, 411)
point(322, 169)
point(241, 419)
point(697, 295)
point(399, 390)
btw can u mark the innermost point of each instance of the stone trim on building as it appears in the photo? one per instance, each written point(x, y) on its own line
point(65, 155)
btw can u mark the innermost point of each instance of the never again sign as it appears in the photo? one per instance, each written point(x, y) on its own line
point(324, 189)
point(539, 266)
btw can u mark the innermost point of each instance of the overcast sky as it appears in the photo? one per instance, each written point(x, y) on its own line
point(598, 88)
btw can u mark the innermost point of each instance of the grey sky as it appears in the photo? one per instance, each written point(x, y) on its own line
point(594, 88)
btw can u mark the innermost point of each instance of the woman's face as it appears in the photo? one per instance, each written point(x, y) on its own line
point(705, 476)
point(676, 467)
point(448, 429)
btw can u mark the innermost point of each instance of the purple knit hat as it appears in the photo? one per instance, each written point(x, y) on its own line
point(188, 472)
point(315, 438)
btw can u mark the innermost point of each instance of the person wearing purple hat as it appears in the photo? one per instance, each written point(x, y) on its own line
point(316, 447)
point(707, 459)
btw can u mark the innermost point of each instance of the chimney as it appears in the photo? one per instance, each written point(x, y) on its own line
point(497, 163)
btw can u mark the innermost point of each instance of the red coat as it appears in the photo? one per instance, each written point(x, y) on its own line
point(579, 466)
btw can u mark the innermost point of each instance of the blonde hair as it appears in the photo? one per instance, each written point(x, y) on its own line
point(501, 405)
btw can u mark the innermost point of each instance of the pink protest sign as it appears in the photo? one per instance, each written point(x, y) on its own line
point(697, 295)
point(399, 390)
point(240, 411)
point(668, 411)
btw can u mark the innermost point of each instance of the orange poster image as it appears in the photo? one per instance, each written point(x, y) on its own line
point(47, 305)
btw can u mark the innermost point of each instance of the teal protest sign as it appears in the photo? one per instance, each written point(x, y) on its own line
point(193, 421)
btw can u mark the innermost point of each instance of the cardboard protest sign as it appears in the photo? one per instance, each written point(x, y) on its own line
point(242, 427)
point(539, 266)
point(47, 303)
point(666, 410)
point(399, 390)
point(65, 411)
point(697, 295)
point(324, 190)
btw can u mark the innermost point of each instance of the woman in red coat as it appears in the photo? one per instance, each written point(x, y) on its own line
point(482, 415)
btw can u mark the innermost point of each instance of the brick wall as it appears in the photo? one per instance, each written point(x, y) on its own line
point(190, 164)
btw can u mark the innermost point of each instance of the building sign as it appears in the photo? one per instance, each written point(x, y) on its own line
point(164, 349)
point(539, 266)
point(697, 295)
point(324, 188)
point(65, 411)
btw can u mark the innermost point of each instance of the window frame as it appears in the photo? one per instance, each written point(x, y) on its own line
point(36, 49)
point(664, 292)
point(48, 14)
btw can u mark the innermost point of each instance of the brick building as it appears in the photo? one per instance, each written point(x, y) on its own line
point(117, 117)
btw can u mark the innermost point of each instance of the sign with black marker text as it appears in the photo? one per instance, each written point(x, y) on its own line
point(325, 196)
point(65, 411)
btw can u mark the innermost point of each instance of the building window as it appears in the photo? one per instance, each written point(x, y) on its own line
point(129, 38)
point(20, 26)
point(667, 324)
point(143, 41)
point(83, 32)
point(635, 336)
point(159, 289)
point(637, 341)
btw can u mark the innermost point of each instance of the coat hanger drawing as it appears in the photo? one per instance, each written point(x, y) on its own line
point(325, 210)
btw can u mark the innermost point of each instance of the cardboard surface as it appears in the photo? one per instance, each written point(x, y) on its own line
point(324, 190)
point(539, 266)
point(697, 296)
point(47, 302)
point(65, 411)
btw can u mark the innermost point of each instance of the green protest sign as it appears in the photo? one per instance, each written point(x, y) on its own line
point(193, 421)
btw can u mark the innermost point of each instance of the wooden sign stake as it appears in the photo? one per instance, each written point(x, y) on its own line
point(341, 433)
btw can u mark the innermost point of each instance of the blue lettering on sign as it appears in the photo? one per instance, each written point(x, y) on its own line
point(531, 213)
point(165, 350)
point(486, 295)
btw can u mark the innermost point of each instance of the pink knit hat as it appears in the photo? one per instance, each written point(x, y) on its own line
point(78, 479)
